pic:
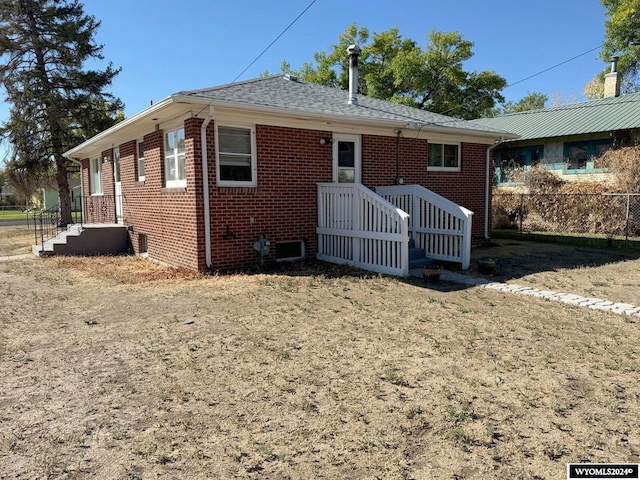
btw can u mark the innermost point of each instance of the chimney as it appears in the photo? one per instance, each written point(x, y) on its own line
point(612, 80)
point(353, 51)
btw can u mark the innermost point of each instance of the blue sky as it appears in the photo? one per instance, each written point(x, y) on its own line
point(167, 46)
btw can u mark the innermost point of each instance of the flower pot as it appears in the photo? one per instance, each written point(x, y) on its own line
point(487, 266)
point(431, 274)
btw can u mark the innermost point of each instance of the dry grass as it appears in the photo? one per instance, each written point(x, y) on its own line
point(305, 375)
point(15, 240)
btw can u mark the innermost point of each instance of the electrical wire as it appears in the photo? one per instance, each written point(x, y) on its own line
point(531, 76)
point(274, 41)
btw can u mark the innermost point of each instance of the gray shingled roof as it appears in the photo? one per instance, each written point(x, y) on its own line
point(594, 116)
point(291, 94)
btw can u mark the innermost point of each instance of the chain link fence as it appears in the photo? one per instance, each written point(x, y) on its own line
point(608, 215)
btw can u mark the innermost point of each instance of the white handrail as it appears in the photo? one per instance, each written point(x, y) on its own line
point(360, 228)
point(440, 226)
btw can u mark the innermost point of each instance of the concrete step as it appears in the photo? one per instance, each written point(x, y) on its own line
point(110, 239)
point(421, 262)
point(417, 253)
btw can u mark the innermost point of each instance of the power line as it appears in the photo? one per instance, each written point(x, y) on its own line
point(274, 41)
point(555, 66)
point(530, 76)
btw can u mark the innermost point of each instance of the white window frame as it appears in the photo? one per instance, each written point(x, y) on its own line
point(96, 180)
point(139, 159)
point(173, 156)
point(443, 168)
point(254, 164)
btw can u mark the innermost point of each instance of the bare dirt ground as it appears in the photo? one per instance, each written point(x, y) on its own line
point(119, 368)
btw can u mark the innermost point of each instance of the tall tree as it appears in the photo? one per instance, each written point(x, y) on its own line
point(531, 101)
point(622, 38)
point(398, 69)
point(54, 100)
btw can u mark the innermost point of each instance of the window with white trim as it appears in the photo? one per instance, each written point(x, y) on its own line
point(140, 152)
point(236, 156)
point(96, 176)
point(174, 159)
point(444, 157)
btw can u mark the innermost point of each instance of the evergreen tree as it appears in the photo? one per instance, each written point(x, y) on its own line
point(55, 102)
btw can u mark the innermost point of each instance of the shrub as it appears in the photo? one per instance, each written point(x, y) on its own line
point(624, 166)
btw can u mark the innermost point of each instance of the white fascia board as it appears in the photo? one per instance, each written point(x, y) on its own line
point(130, 127)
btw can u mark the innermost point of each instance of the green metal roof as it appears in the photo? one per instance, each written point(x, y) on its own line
point(602, 115)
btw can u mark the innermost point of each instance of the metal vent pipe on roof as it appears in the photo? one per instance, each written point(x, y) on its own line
point(353, 51)
point(614, 64)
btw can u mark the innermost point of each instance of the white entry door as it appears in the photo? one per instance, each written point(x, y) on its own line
point(118, 185)
point(346, 158)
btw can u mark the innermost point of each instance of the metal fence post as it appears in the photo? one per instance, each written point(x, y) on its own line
point(626, 227)
point(521, 210)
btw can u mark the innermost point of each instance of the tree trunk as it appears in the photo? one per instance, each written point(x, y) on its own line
point(62, 180)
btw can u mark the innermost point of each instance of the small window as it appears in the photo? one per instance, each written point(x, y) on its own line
point(140, 151)
point(96, 176)
point(289, 251)
point(235, 154)
point(444, 157)
point(174, 159)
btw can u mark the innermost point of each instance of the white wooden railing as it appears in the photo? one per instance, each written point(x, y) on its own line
point(359, 228)
point(440, 226)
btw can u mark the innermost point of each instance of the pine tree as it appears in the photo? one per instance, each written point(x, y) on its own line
point(55, 102)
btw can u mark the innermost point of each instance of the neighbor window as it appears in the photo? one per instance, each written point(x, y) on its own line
point(580, 155)
point(174, 162)
point(236, 157)
point(513, 163)
point(96, 176)
point(444, 156)
point(140, 151)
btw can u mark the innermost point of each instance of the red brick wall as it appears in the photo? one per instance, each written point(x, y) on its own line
point(283, 205)
point(466, 188)
point(169, 217)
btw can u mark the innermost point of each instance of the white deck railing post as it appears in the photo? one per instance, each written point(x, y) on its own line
point(440, 226)
point(359, 228)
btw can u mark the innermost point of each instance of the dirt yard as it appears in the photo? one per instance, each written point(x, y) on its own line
point(15, 240)
point(116, 368)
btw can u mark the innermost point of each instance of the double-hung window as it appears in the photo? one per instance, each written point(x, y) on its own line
point(96, 176)
point(174, 162)
point(140, 150)
point(444, 157)
point(236, 156)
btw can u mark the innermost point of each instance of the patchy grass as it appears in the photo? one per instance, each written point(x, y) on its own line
point(114, 367)
point(15, 240)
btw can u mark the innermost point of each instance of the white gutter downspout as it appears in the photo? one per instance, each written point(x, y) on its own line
point(486, 191)
point(205, 187)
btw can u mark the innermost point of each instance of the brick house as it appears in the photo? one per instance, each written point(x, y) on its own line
point(206, 179)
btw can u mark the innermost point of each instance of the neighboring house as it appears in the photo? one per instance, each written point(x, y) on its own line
point(276, 168)
point(567, 138)
point(48, 197)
